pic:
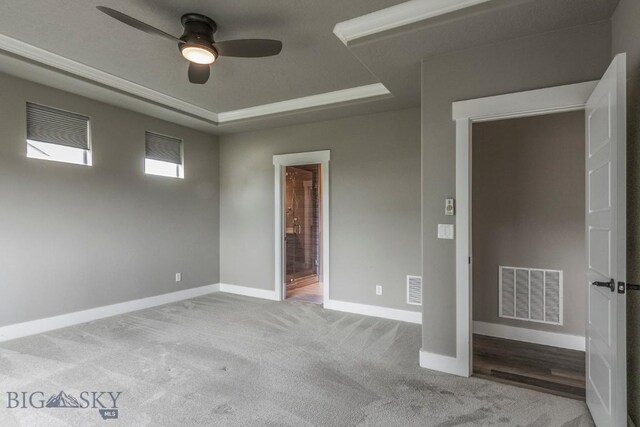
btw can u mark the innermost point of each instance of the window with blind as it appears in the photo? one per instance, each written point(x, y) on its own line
point(57, 135)
point(163, 155)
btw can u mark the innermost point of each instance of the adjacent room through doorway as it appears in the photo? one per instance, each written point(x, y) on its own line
point(302, 233)
point(528, 240)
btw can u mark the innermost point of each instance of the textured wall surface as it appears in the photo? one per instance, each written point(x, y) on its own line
point(626, 38)
point(374, 203)
point(528, 197)
point(563, 57)
point(75, 237)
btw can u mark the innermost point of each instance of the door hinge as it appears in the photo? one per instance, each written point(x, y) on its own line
point(622, 287)
point(469, 260)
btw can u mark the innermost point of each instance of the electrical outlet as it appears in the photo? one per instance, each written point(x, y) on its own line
point(178, 277)
point(378, 290)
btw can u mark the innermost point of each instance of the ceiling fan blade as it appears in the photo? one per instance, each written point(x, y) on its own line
point(199, 73)
point(248, 48)
point(139, 25)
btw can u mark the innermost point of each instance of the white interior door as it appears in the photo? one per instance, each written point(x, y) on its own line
point(606, 247)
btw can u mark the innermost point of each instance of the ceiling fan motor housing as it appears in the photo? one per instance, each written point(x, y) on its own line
point(198, 31)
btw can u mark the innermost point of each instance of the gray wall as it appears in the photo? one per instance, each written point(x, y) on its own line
point(528, 201)
point(626, 38)
point(75, 237)
point(569, 56)
point(374, 203)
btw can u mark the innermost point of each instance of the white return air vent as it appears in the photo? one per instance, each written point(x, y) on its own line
point(414, 290)
point(530, 294)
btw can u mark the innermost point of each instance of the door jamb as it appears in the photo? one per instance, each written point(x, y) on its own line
point(280, 162)
point(523, 104)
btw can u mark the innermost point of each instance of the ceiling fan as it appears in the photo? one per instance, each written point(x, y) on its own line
point(197, 44)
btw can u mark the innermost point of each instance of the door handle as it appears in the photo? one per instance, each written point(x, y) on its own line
point(610, 284)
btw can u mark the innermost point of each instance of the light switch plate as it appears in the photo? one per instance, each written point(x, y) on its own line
point(449, 206)
point(445, 231)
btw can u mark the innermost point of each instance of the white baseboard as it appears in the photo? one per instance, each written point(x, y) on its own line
point(249, 292)
point(375, 311)
point(33, 327)
point(554, 339)
point(446, 364)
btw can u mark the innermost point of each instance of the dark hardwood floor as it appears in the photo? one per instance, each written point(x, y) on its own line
point(549, 369)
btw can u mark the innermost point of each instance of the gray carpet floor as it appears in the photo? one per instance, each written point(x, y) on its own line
point(234, 361)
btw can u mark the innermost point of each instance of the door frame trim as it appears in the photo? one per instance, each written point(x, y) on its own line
point(280, 162)
point(522, 104)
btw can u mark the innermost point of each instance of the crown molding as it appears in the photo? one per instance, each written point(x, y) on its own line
point(372, 23)
point(398, 16)
point(86, 72)
point(164, 106)
point(367, 92)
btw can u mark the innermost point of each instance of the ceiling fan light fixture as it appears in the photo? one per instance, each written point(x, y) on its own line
point(198, 53)
point(197, 44)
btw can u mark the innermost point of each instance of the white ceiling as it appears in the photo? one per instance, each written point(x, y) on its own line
point(313, 63)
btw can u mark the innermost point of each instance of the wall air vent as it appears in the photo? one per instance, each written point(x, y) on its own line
point(530, 294)
point(414, 290)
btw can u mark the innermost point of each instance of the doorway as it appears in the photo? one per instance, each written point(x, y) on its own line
point(604, 104)
point(528, 238)
point(302, 256)
point(302, 219)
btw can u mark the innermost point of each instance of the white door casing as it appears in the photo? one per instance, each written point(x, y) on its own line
point(523, 104)
point(280, 162)
point(606, 247)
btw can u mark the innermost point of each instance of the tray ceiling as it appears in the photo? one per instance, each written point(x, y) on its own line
point(313, 60)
